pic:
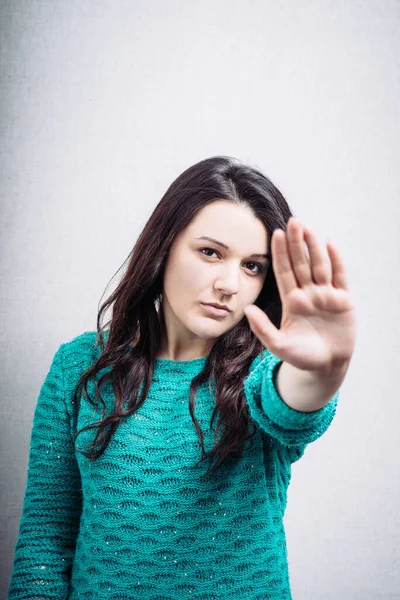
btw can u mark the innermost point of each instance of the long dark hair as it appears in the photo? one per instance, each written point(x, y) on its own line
point(136, 326)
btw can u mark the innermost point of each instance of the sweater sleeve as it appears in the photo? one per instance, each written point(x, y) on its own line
point(53, 498)
point(292, 428)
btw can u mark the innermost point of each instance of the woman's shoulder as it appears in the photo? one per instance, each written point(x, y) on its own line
point(83, 349)
point(83, 341)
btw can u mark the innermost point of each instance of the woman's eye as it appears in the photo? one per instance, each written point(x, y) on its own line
point(260, 267)
point(210, 249)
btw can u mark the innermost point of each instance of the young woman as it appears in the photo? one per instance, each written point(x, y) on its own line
point(231, 334)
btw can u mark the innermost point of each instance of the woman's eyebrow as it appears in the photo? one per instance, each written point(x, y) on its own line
point(205, 237)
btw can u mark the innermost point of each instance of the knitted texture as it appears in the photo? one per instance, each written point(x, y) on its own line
point(139, 522)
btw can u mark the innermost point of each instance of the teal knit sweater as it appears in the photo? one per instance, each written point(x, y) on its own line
point(139, 523)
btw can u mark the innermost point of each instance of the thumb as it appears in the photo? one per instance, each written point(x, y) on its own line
point(262, 327)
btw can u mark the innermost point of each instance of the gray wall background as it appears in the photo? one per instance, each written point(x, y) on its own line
point(103, 104)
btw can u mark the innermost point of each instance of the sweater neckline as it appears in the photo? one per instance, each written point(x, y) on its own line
point(177, 370)
point(167, 362)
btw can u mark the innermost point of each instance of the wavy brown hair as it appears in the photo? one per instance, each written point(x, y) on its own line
point(137, 325)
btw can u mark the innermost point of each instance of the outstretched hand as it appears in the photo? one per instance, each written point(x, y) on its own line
point(318, 326)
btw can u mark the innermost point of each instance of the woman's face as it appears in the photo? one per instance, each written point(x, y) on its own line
point(200, 271)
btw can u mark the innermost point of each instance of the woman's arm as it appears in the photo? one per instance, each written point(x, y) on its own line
point(52, 504)
point(307, 391)
point(267, 408)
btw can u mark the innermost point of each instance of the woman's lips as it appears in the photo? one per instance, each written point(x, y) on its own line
point(215, 312)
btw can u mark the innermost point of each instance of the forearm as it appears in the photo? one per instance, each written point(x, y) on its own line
point(307, 391)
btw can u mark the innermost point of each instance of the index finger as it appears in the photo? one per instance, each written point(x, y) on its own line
point(281, 264)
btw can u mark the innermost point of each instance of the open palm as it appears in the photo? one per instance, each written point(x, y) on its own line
point(318, 326)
